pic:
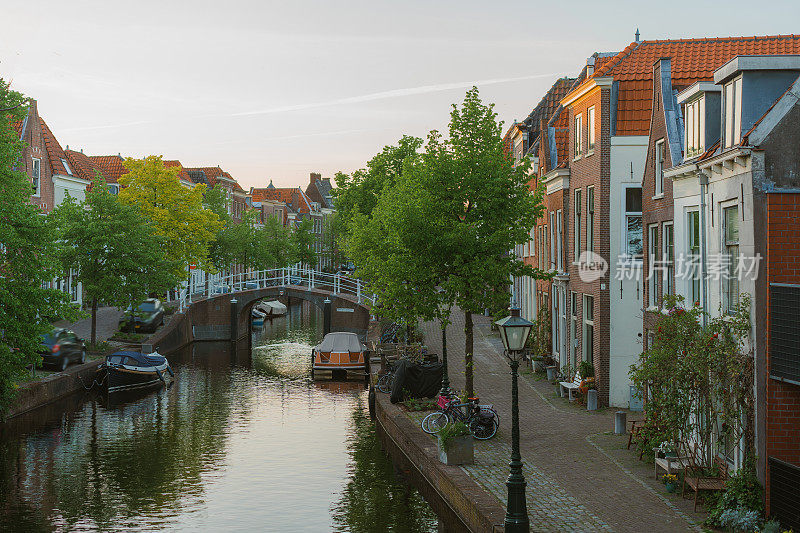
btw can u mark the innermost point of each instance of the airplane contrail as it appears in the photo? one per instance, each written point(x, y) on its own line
point(410, 91)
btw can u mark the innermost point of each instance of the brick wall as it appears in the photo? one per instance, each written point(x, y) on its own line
point(593, 169)
point(655, 210)
point(783, 266)
point(35, 148)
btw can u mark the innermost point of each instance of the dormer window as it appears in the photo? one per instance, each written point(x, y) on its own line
point(66, 166)
point(694, 113)
point(733, 112)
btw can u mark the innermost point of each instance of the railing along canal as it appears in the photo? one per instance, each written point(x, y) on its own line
point(208, 285)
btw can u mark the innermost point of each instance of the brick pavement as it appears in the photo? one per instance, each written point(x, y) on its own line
point(107, 324)
point(580, 477)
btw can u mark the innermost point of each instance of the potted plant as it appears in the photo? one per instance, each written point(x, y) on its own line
point(455, 444)
point(671, 482)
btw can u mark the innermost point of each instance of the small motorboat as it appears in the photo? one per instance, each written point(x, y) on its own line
point(128, 370)
point(258, 317)
point(340, 352)
point(271, 309)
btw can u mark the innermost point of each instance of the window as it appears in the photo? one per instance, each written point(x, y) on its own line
point(668, 283)
point(37, 176)
point(655, 267)
point(555, 325)
point(588, 328)
point(590, 218)
point(784, 331)
point(113, 188)
point(693, 239)
point(66, 166)
point(559, 247)
point(633, 222)
point(733, 112)
point(590, 127)
point(694, 114)
point(578, 135)
point(553, 252)
point(730, 279)
point(573, 299)
point(577, 224)
point(659, 162)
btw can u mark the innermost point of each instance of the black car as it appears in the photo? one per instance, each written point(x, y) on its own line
point(62, 346)
point(146, 317)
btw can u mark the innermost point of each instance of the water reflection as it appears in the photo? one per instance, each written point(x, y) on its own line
point(241, 442)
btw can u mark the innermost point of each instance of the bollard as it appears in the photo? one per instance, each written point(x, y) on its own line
point(619, 422)
point(591, 401)
point(326, 317)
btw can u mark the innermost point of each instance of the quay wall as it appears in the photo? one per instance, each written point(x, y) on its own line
point(460, 503)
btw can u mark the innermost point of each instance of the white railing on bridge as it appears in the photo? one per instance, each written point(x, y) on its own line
point(199, 287)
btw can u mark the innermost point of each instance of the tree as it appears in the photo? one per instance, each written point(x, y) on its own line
point(176, 212)
point(485, 208)
point(27, 251)
point(302, 244)
point(119, 255)
point(359, 192)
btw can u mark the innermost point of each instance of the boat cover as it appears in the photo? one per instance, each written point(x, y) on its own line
point(340, 342)
point(418, 381)
point(153, 359)
point(277, 307)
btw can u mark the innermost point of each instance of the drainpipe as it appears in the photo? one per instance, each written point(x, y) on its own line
point(703, 252)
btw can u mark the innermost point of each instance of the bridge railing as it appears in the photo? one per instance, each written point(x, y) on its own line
point(215, 284)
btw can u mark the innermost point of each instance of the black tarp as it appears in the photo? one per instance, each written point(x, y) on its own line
point(415, 380)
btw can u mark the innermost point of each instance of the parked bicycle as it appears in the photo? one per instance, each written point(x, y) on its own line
point(385, 381)
point(482, 420)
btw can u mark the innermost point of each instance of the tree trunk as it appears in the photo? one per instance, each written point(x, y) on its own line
point(94, 321)
point(468, 349)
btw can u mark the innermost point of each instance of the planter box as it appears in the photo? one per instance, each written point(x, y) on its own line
point(552, 372)
point(459, 452)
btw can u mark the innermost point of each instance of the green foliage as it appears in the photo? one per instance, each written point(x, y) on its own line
point(743, 493)
point(539, 341)
point(586, 369)
point(302, 244)
point(420, 404)
point(28, 248)
point(176, 212)
point(118, 254)
point(450, 432)
point(699, 380)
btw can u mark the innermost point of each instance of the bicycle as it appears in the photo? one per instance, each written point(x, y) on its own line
point(482, 420)
point(385, 381)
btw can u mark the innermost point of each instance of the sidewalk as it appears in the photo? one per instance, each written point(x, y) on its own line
point(580, 476)
point(107, 324)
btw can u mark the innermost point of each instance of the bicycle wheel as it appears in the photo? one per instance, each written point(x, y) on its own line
point(435, 422)
point(385, 383)
point(482, 427)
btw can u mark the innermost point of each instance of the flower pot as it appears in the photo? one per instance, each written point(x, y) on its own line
point(551, 372)
point(671, 487)
point(460, 451)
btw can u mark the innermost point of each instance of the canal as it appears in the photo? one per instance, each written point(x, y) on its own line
point(240, 442)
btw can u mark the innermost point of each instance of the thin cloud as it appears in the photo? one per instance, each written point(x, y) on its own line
point(108, 126)
point(395, 93)
point(298, 136)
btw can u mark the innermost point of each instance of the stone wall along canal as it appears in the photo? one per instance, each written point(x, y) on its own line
point(241, 442)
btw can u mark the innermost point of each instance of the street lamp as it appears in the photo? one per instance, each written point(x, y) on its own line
point(514, 331)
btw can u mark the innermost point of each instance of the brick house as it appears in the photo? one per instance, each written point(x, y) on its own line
point(736, 201)
point(610, 122)
point(213, 176)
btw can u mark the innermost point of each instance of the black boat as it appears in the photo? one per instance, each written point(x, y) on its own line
point(128, 370)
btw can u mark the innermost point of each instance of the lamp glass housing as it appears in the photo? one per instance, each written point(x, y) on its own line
point(514, 331)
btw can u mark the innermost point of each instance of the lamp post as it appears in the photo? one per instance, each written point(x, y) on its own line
point(514, 331)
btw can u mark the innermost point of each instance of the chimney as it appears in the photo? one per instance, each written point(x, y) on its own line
point(67, 148)
point(590, 65)
point(315, 176)
point(637, 35)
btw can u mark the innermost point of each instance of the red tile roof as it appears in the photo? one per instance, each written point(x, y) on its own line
point(692, 60)
point(213, 174)
point(83, 166)
point(182, 174)
point(55, 154)
point(294, 197)
point(111, 165)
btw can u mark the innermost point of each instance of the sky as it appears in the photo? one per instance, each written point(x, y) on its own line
point(277, 90)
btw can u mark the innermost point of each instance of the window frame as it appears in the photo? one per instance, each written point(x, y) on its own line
point(732, 111)
point(694, 127)
point(590, 209)
point(653, 271)
point(626, 215)
point(730, 248)
point(578, 135)
point(590, 125)
point(693, 251)
point(36, 170)
point(578, 200)
point(668, 254)
point(587, 348)
point(658, 159)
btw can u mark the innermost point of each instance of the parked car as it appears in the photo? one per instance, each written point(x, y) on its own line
point(60, 347)
point(219, 289)
point(146, 317)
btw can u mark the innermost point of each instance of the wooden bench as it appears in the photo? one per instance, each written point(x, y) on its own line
point(694, 480)
point(570, 386)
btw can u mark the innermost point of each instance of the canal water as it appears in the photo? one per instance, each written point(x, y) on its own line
point(240, 442)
